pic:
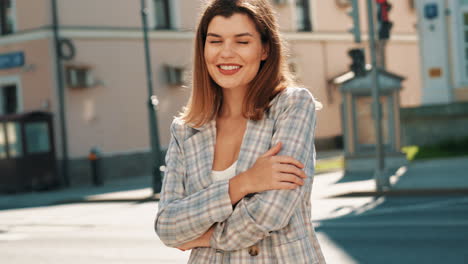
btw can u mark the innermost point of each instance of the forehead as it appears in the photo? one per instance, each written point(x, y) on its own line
point(236, 24)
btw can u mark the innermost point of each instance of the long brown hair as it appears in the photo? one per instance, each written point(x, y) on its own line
point(273, 76)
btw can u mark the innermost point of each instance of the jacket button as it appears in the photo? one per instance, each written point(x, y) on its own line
point(253, 250)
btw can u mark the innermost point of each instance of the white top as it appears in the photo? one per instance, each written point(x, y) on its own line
point(225, 174)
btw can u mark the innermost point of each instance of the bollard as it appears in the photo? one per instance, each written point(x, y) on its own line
point(94, 158)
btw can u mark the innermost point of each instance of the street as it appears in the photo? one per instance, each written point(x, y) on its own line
point(411, 229)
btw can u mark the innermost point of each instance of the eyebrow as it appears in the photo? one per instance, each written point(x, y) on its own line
point(237, 35)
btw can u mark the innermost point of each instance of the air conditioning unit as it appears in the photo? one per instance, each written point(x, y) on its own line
point(79, 76)
point(174, 75)
point(295, 69)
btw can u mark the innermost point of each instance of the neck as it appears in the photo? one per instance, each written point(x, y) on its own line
point(232, 103)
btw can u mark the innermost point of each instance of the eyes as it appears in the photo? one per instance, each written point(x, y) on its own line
point(220, 41)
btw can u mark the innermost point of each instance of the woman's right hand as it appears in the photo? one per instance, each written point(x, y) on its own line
point(271, 172)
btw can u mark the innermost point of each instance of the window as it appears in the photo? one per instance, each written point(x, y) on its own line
point(365, 121)
point(7, 17)
point(37, 138)
point(458, 42)
point(8, 99)
point(162, 14)
point(3, 149)
point(465, 43)
point(302, 15)
point(15, 145)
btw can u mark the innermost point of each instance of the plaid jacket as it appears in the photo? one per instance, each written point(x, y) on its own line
point(278, 222)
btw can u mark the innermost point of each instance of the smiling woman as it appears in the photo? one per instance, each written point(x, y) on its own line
point(233, 51)
point(241, 159)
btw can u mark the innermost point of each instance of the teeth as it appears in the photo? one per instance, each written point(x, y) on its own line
point(229, 67)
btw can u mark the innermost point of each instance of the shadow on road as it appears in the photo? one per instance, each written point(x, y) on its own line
point(403, 229)
point(122, 190)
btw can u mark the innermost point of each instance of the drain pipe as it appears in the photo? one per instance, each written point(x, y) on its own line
point(60, 92)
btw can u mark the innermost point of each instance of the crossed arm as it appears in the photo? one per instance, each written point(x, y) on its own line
point(207, 218)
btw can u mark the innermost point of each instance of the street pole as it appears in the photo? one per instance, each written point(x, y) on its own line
point(376, 107)
point(152, 102)
point(381, 63)
point(61, 95)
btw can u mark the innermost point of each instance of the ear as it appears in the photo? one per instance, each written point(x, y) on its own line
point(265, 51)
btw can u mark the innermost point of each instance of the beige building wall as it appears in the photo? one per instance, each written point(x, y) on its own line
point(101, 13)
point(36, 86)
point(32, 14)
point(113, 114)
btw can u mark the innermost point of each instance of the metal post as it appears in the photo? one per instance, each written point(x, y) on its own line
point(356, 29)
point(377, 111)
point(381, 62)
point(154, 136)
point(61, 94)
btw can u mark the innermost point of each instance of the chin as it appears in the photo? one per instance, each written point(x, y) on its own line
point(229, 86)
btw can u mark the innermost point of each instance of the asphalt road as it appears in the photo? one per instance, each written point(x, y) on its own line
point(351, 230)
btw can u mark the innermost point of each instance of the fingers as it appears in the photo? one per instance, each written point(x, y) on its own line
point(288, 159)
point(286, 186)
point(292, 169)
point(291, 178)
point(273, 151)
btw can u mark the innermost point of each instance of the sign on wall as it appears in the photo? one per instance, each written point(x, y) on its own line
point(11, 60)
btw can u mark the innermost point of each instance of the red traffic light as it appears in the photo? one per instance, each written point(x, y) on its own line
point(384, 9)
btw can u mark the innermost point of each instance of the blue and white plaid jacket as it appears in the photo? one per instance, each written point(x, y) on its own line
point(277, 221)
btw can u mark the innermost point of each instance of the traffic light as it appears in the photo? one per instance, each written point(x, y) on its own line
point(354, 14)
point(384, 23)
point(358, 65)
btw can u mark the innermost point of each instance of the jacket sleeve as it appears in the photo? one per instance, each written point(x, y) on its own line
point(256, 217)
point(182, 218)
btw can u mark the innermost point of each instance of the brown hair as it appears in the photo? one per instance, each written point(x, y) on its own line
point(273, 76)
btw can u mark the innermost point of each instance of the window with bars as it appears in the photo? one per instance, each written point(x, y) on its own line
point(162, 14)
point(303, 15)
point(7, 18)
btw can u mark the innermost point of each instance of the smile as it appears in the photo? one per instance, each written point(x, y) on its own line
point(228, 69)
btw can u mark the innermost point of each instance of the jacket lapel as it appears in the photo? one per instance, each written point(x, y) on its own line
point(256, 141)
point(199, 153)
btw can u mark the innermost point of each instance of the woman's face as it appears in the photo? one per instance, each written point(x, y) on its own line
point(233, 51)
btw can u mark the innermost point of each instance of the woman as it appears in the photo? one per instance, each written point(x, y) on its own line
point(241, 157)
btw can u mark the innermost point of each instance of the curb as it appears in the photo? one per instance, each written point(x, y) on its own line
point(151, 198)
point(413, 192)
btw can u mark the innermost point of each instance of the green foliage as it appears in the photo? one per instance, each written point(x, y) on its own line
point(410, 152)
point(327, 165)
point(447, 148)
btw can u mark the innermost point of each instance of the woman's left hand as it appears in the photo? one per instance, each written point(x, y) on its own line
point(202, 241)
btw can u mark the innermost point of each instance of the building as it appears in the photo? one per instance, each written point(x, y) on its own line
point(105, 82)
point(443, 31)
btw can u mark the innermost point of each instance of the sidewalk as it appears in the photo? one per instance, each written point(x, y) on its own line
point(432, 177)
point(447, 176)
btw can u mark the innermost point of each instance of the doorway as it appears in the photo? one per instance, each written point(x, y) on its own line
point(10, 100)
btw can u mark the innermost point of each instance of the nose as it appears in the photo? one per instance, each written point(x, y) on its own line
point(227, 50)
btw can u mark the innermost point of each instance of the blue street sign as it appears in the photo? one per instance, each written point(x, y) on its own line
point(11, 60)
point(430, 11)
